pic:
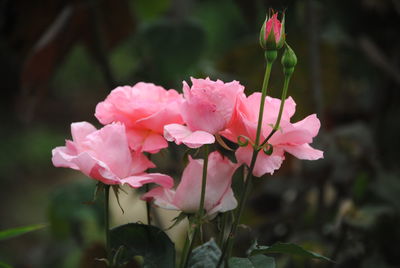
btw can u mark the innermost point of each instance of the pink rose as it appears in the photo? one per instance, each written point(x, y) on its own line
point(219, 195)
point(144, 109)
point(104, 155)
point(272, 36)
point(206, 110)
point(291, 138)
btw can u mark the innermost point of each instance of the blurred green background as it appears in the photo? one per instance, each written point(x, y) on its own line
point(59, 58)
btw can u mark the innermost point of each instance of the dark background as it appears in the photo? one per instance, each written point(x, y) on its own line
point(59, 58)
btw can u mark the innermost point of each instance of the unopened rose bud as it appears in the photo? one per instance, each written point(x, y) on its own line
point(289, 61)
point(272, 34)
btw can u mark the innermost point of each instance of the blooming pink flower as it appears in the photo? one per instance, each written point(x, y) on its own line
point(206, 110)
point(144, 109)
point(104, 155)
point(219, 196)
point(291, 138)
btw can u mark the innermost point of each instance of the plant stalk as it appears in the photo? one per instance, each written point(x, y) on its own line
point(278, 119)
point(200, 212)
point(148, 206)
point(107, 222)
point(185, 251)
point(227, 247)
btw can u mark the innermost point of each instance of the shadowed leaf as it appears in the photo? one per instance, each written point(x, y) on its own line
point(288, 248)
point(257, 261)
point(147, 241)
point(13, 232)
point(206, 255)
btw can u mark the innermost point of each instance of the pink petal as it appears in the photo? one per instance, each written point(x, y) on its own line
point(219, 178)
point(136, 138)
point(241, 123)
point(162, 197)
point(145, 140)
point(275, 25)
point(154, 142)
point(264, 163)
point(84, 162)
point(208, 104)
point(140, 163)
point(80, 130)
point(165, 116)
point(187, 196)
point(311, 123)
point(202, 115)
point(304, 151)
point(182, 134)
point(145, 104)
point(61, 157)
point(144, 178)
point(110, 145)
point(301, 132)
point(228, 202)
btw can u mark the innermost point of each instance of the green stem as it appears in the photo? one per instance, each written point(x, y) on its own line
point(194, 237)
point(221, 236)
point(185, 251)
point(203, 182)
point(107, 222)
point(200, 212)
point(227, 248)
point(148, 207)
point(262, 102)
point(278, 119)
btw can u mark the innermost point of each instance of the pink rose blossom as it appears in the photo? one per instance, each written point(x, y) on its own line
point(272, 36)
point(104, 155)
point(273, 24)
point(206, 110)
point(144, 109)
point(219, 196)
point(293, 138)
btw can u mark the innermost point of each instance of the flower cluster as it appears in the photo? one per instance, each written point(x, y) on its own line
point(142, 118)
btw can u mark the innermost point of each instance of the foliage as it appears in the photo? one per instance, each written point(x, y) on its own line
point(13, 232)
point(133, 239)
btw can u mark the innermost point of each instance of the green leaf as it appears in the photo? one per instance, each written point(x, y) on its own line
point(4, 265)
point(13, 232)
point(206, 255)
point(257, 261)
point(288, 248)
point(147, 241)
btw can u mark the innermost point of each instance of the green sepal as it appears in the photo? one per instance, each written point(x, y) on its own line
point(268, 149)
point(262, 34)
point(97, 191)
point(243, 141)
point(288, 61)
point(116, 189)
point(177, 220)
point(281, 42)
point(222, 142)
